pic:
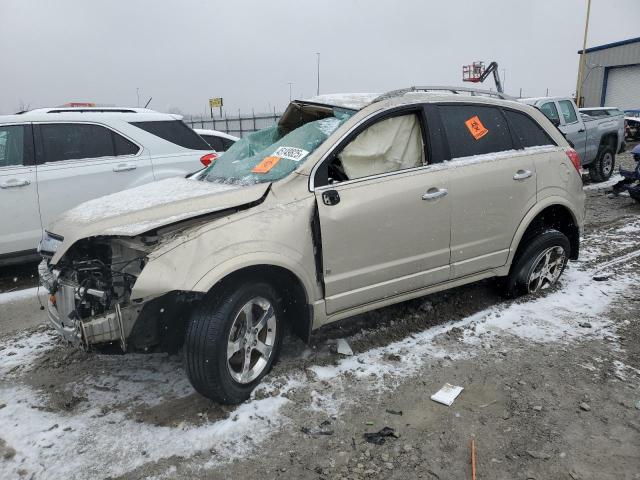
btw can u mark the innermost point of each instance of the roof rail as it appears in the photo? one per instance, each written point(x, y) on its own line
point(455, 90)
point(91, 110)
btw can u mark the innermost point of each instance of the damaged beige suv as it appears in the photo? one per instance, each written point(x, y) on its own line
point(349, 203)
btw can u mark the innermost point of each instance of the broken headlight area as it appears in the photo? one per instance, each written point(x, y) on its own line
point(90, 289)
point(49, 244)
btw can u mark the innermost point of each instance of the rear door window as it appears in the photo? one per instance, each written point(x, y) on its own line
point(214, 142)
point(568, 112)
point(226, 143)
point(123, 146)
point(550, 111)
point(71, 141)
point(15, 146)
point(174, 131)
point(526, 130)
point(475, 130)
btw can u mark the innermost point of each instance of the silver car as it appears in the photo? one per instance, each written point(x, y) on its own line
point(351, 203)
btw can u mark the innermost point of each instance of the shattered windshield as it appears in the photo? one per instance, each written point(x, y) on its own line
point(272, 153)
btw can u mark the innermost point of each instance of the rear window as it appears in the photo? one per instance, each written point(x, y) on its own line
point(475, 130)
point(526, 130)
point(174, 131)
point(596, 113)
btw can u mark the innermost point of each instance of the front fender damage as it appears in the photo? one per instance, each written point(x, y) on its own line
point(99, 295)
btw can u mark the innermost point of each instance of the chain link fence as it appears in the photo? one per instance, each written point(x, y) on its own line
point(238, 125)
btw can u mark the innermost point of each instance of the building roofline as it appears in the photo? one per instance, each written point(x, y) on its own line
point(611, 45)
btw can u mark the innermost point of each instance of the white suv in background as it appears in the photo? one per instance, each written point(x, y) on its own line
point(56, 158)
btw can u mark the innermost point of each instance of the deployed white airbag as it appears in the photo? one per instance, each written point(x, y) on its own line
point(389, 145)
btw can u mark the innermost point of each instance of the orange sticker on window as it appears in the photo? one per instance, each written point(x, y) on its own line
point(476, 128)
point(266, 164)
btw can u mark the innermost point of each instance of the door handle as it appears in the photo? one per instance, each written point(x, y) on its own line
point(15, 182)
point(124, 167)
point(522, 174)
point(581, 130)
point(435, 193)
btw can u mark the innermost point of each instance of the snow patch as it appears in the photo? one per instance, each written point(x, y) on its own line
point(145, 196)
point(18, 295)
point(21, 350)
point(602, 185)
point(96, 440)
point(353, 101)
point(328, 125)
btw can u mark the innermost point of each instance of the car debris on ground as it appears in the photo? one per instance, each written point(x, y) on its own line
point(447, 394)
point(343, 347)
point(380, 437)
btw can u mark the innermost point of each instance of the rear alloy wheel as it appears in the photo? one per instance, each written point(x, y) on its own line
point(602, 167)
point(547, 269)
point(539, 264)
point(233, 339)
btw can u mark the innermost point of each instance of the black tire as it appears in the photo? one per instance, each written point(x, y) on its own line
point(518, 281)
point(208, 331)
point(602, 167)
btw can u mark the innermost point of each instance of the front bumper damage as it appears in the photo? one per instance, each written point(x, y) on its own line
point(114, 326)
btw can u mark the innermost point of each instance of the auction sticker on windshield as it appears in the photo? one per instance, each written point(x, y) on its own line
point(266, 164)
point(291, 153)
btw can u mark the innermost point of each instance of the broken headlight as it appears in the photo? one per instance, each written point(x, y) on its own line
point(49, 244)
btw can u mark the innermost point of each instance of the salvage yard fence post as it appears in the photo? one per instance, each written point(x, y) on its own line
point(238, 126)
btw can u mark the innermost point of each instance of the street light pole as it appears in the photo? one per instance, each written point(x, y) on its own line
point(318, 70)
point(138, 96)
point(290, 84)
point(582, 58)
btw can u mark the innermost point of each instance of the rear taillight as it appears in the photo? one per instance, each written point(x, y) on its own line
point(574, 157)
point(208, 158)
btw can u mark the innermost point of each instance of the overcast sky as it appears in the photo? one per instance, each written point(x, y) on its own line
point(183, 52)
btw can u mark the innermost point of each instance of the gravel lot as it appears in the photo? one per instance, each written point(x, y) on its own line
point(551, 388)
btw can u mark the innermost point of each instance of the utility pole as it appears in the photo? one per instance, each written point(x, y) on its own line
point(138, 95)
point(582, 58)
point(318, 70)
point(290, 84)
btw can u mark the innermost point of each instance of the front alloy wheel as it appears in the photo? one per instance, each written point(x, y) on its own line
point(233, 338)
point(251, 340)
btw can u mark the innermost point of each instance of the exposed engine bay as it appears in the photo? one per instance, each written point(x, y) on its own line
point(90, 291)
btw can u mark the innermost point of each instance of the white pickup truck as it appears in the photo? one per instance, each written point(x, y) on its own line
point(54, 159)
point(596, 139)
